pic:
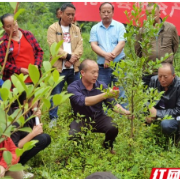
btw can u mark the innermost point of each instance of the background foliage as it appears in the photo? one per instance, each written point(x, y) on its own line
point(63, 158)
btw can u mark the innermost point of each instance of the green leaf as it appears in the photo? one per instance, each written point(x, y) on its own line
point(7, 84)
point(2, 128)
point(34, 73)
point(29, 145)
point(61, 78)
point(19, 152)
point(60, 98)
point(17, 167)
point(1, 32)
point(25, 77)
point(65, 97)
point(21, 121)
point(17, 84)
point(59, 44)
point(26, 129)
point(47, 65)
point(21, 79)
point(13, 4)
point(2, 139)
point(41, 91)
point(8, 131)
point(7, 157)
point(54, 60)
point(56, 75)
point(50, 81)
point(47, 103)
point(16, 114)
point(18, 13)
point(57, 99)
point(15, 91)
point(30, 90)
point(4, 93)
point(2, 116)
point(53, 49)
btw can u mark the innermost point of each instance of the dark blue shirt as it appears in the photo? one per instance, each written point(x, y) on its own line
point(78, 99)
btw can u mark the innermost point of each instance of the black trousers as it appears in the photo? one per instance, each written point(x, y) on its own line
point(103, 124)
point(44, 141)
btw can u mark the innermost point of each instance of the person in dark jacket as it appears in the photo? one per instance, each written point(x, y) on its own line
point(87, 101)
point(169, 104)
point(166, 41)
point(20, 137)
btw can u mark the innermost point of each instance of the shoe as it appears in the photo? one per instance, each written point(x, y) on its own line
point(53, 123)
point(105, 146)
point(147, 124)
point(112, 151)
point(28, 175)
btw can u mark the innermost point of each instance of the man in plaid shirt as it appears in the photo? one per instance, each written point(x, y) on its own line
point(24, 49)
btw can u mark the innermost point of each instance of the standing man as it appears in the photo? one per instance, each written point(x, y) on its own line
point(70, 52)
point(166, 41)
point(87, 101)
point(107, 41)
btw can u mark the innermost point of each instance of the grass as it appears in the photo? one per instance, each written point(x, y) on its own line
point(64, 159)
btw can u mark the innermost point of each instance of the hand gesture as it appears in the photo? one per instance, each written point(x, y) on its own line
point(37, 130)
point(2, 171)
point(106, 63)
point(129, 115)
point(37, 113)
point(113, 55)
point(67, 64)
point(109, 56)
point(148, 120)
point(24, 71)
point(114, 93)
point(73, 59)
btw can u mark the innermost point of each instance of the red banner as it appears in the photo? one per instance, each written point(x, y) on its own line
point(89, 11)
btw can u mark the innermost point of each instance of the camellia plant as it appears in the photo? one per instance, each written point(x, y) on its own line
point(129, 72)
point(40, 90)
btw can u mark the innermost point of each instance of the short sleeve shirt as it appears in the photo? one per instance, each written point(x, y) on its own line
point(108, 38)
